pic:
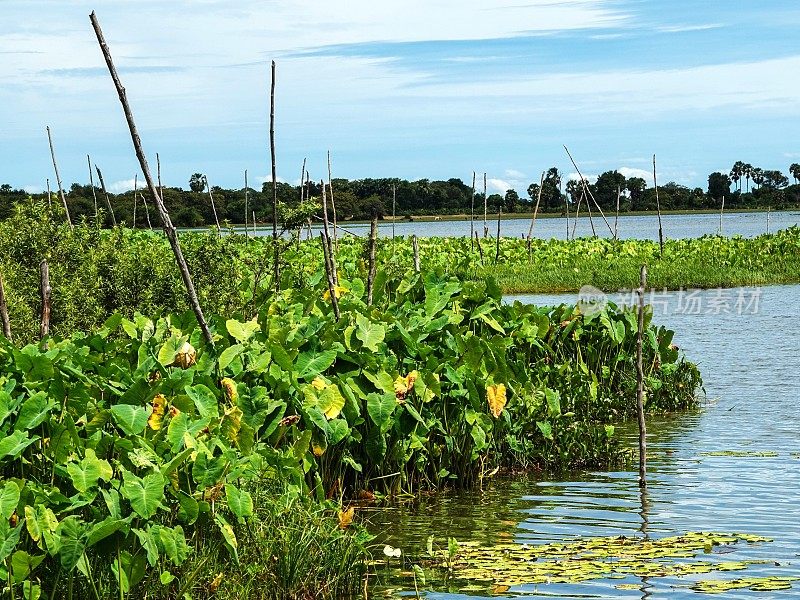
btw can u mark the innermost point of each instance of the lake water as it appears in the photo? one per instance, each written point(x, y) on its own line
point(749, 355)
point(629, 227)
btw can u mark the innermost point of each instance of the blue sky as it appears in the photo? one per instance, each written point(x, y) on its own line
point(411, 89)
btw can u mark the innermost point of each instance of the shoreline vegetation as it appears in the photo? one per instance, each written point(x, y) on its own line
point(140, 459)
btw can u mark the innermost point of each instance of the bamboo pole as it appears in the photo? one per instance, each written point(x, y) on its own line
point(768, 210)
point(589, 192)
point(415, 246)
point(577, 213)
point(105, 193)
point(4, 311)
point(169, 228)
point(721, 211)
point(213, 206)
point(472, 214)
point(589, 210)
point(255, 231)
point(535, 210)
point(146, 212)
point(303, 181)
point(91, 184)
point(160, 187)
point(394, 207)
point(485, 208)
point(276, 269)
point(373, 238)
point(327, 233)
point(640, 383)
point(58, 178)
point(45, 294)
point(329, 273)
point(658, 210)
point(497, 241)
point(135, 196)
point(480, 248)
point(333, 203)
point(616, 216)
point(246, 199)
point(566, 210)
point(49, 196)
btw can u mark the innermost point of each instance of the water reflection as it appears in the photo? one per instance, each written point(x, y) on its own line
point(750, 365)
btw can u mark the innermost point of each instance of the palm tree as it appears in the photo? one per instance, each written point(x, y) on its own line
point(736, 173)
point(758, 176)
point(794, 169)
point(748, 173)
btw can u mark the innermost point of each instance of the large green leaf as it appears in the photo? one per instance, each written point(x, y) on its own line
point(380, 408)
point(242, 331)
point(331, 401)
point(12, 445)
point(204, 400)
point(88, 471)
point(309, 364)
point(371, 334)
point(34, 411)
point(240, 503)
point(144, 494)
point(9, 499)
point(228, 535)
point(23, 563)
point(170, 349)
point(71, 548)
point(131, 419)
point(9, 537)
point(229, 354)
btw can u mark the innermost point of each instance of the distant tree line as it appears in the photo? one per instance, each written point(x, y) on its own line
point(359, 199)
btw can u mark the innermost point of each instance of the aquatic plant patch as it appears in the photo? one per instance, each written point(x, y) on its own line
point(500, 567)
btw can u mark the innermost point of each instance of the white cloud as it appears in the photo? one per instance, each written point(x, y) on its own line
point(685, 28)
point(629, 172)
point(124, 185)
point(514, 174)
point(576, 177)
point(498, 185)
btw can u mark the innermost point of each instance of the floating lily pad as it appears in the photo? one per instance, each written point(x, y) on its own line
point(506, 565)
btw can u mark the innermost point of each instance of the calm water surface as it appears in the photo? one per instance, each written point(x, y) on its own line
point(629, 227)
point(750, 363)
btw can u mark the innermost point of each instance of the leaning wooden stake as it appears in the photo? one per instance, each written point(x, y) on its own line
point(58, 178)
point(616, 216)
point(589, 210)
point(535, 211)
point(135, 196)
point(721, 212)
point(246, 200)
point(485, 208)
point(472, 214)
point(326, 244)
point(566, 211)
point(213, 206)
point(4, 311)
point(91, 184)
point(589, 192)
point(160, 187)
point(415, 245)
point(333, 203)
point(394, 207)
point(373, 239)
point(105, 193)
point(497, 241)
point(45, 294)
point(577, 213)
point(169, 228)
point(328, 234)
point(49, 196)
point(658, 210)
point(146, 212)
point(276, 268)
point(480, 248)
point(640, 382)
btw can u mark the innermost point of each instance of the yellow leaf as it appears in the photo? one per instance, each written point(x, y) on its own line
point(496, 396)
point(346, 517)
point(186, 356)
point(214, 585)
point(318, 383)
point(157, 416)
point(229, 386)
